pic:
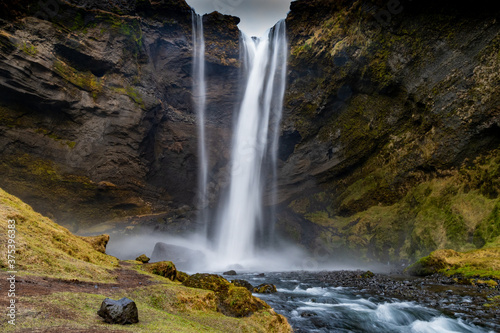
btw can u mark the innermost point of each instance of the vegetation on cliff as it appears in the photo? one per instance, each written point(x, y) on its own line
point(398, 130)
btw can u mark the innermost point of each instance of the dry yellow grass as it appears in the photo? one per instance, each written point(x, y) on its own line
point(47, 249)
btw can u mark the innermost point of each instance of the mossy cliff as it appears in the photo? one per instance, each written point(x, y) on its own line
point(62, 279)
point(96, 111)
point(391, 128)
point(389, 146)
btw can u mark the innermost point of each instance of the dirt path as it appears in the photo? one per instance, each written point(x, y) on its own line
point(30, 286)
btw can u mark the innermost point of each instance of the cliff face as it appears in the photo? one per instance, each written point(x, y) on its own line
point(390, 134)
point(394, 119)
point(96, 111)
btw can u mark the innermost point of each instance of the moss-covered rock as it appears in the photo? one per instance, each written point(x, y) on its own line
point(239, 302)
point(143, 258)
point(242, 283)
point(232, 300)
point(182, 276)
point(367, 275)
point(207, 281)
point(163, 268)
point(265, 288)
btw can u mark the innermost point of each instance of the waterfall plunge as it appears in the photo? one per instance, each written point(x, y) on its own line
point(199, 86)
point(254, 150)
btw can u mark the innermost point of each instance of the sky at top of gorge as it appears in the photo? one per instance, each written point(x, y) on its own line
point(257, 16)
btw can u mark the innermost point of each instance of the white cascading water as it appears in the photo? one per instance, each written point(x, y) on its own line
point(199, 97)
point(254, 147)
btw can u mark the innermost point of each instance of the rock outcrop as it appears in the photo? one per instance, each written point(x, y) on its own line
point(389, 146)
point(391, 128)
point(96, 106)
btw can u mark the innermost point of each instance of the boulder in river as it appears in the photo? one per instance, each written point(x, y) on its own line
point(265, 288)
point(123, 311)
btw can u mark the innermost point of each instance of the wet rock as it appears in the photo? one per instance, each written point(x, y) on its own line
point(122, 312)
point(307, 314)
point(142, 258)
point(242, 283)
point(184, 258)
point(231, 272)
point(265, 288)
point(367, 275)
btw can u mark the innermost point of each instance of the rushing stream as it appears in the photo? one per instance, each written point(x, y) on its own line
point(314, 306)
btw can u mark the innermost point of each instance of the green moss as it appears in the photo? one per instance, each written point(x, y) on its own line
point(29, 49)
point(482, 263)
point(163, 268)
point(130, 28)
point(207, 281)
point(83, 80)
point(71, 144)
point(132, 93)
point(493, 302)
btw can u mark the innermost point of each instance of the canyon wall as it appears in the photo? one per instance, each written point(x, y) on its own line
point(390, 133)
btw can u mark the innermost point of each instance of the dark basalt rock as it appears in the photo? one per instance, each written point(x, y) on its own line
point(122, 312)
point(231, 272)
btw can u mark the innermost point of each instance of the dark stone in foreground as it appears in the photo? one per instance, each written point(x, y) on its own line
point(121, 312)
point(231, 272)
point(183, 257)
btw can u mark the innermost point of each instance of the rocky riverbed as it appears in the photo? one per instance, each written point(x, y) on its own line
point(470, 299)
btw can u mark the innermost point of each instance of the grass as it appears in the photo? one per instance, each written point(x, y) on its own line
point(483, 263)
point(162, 308)
point(45, 248)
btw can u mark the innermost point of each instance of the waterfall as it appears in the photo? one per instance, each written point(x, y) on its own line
point(199, 100)
point(242, 221)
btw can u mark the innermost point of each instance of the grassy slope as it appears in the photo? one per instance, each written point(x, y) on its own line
point(482, 263)
point(48, 250)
